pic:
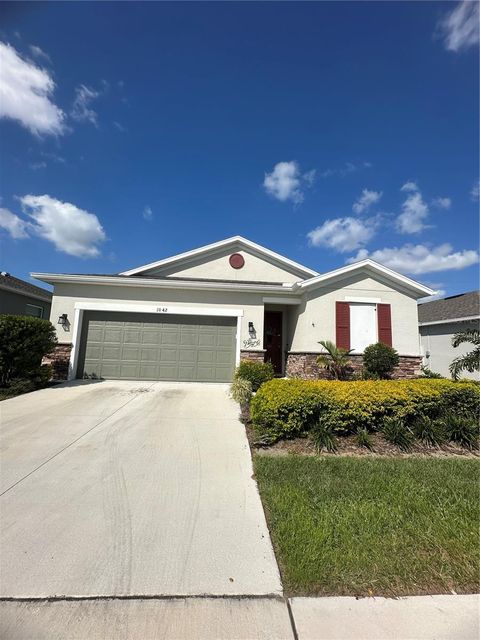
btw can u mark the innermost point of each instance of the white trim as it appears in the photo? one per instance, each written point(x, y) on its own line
point(77, 323)
point(450, 320)
point(80, 307)
point(279, 300)
point(365, 300)
point(219, 245)
point(35, 306)
point(372, 265)
point(159, 308)
point(155, 283)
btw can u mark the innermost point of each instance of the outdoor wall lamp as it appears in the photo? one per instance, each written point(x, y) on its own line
point(251, 328)
point(63, 319)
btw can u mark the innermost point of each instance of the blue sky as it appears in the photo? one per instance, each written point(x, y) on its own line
point(326, 131)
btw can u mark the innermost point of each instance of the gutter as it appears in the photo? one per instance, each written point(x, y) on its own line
point(448, 320)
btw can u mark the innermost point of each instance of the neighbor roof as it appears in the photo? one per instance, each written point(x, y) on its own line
point(11, 283)
point(464, 305)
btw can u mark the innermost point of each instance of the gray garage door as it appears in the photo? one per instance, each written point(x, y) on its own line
point(134, 346)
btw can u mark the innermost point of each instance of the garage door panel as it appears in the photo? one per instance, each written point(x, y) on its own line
point(150, 347)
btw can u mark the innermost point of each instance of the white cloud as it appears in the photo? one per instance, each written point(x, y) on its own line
point(475, 192)
point(310, 177)
point(442, 203)
point(414, 212)
point(415, 259)
point(15, 226)
point(25, 94)
point(119, 126)
point(349, 167)
point(342, 234)
point(70, 229)
point(39, 53)
point(366, 200)
point(284, 182)
point(81, 110)
point(409, 186)
point(147, 213)
point(460, 27)
point(38, 165)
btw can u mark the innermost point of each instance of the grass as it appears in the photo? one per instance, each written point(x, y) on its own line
point(356, 526)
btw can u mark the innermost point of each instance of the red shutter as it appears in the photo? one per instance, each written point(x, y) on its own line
point(384, 318)
point(343, 325)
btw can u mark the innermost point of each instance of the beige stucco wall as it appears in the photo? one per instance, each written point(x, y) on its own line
point(437, 340)
point(66, 295)
point(314, 319)
point(305, 325)
point(217, 267)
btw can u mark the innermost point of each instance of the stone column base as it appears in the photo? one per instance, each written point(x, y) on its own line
point(256, 356)
point(59, 360)
point(304, 365)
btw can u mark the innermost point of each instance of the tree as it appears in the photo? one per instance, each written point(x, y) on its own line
point(335, 361)
point(470, 361)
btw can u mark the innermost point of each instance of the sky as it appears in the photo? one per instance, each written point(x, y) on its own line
point(328, 132)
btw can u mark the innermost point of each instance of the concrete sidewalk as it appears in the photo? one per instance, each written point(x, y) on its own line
point(414, 618)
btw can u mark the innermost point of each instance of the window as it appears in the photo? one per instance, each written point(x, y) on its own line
point(359, 324)
point(34, 310)
point(363, 326)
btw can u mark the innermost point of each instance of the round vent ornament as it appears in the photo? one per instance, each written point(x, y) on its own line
point(236, 261)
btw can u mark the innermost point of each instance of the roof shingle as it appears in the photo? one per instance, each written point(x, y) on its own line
point(464, 305)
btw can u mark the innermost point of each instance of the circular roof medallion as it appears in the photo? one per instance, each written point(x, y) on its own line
point(236, 261)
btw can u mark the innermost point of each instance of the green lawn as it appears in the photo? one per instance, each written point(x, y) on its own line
point(355, 526)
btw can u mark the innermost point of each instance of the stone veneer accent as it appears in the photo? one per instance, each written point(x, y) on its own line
point(59, 360)
point(256, 356)
point(304, 365)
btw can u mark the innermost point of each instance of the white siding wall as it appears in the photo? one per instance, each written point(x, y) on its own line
point(437, 340)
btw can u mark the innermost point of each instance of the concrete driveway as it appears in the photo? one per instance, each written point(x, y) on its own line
point(130, 489)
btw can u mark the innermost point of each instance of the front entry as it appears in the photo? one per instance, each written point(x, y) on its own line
point(273, 339)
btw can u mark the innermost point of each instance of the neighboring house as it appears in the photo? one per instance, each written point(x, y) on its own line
point(439, 321)
point(195, 315)
point(21, 298)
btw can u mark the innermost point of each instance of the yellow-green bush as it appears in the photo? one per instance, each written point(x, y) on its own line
point(286, 408)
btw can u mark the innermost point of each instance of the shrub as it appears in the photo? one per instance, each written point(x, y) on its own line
point(323, 436)
point(335, 360)
point(380, 360)
point(462, 430)
point(430, 431)
point(241, 391)
point(286, 408)
point(23, 342)
point(428, 373)
point(396, 431)
point(255, 372)
point(364, 439)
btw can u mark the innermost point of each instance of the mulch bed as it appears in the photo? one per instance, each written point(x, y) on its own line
point(347, 446)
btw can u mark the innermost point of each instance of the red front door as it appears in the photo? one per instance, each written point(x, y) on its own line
point(272, 339)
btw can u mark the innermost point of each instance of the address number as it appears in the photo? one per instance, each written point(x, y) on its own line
point(162, 309)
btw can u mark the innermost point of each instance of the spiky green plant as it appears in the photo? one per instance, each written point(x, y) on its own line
point(335, 360)
point(469, 361)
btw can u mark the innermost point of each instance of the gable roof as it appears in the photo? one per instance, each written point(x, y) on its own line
point(464, 305)
point(10, 283)
point(237, 242)
point(369, 266)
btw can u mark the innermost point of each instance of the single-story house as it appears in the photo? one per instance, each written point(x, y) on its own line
point(195, 315)
point(439, 321)
point(21, 298)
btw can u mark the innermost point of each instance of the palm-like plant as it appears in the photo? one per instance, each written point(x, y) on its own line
point(335, 360)
point(470, 361)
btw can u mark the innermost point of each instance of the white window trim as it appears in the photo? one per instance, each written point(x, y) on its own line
point(36, 306)
point(81, 307)
point(364, 300)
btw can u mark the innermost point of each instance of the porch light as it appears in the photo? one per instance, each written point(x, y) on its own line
point(251, 328)
point(63, 319)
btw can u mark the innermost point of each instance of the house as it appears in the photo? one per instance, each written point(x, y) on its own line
point(439, 321)
point(21, 298)
point(195, 315)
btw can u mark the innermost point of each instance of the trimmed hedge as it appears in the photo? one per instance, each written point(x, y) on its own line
point(287, 408)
